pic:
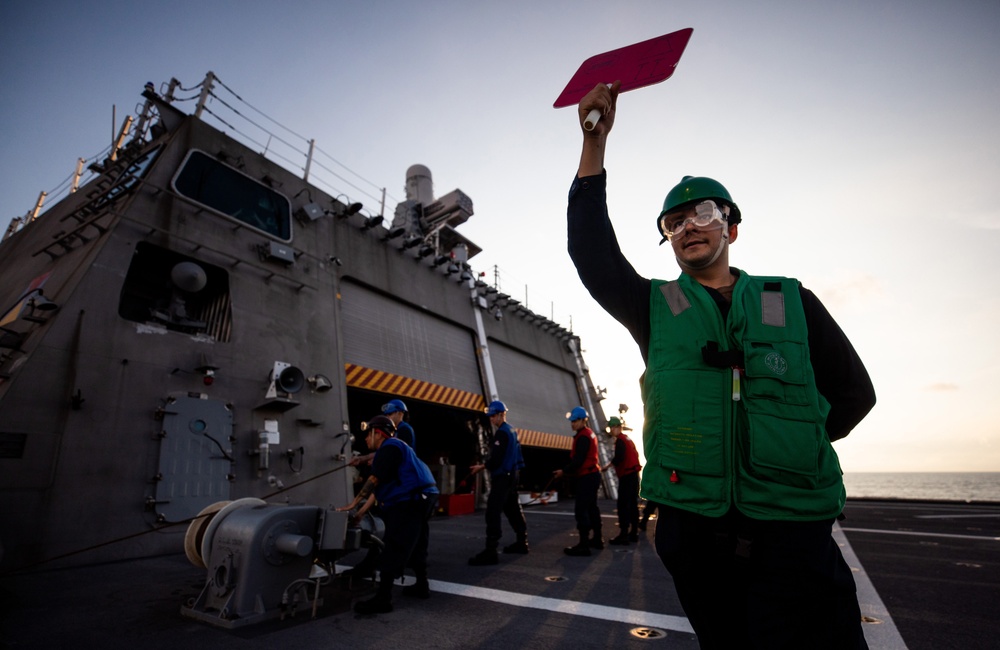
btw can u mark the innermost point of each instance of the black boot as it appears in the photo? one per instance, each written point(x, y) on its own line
point(486, 557)
point(580, 550)
point(381, 603)
point(621, 540)
point(597, 541)
point(520, 547)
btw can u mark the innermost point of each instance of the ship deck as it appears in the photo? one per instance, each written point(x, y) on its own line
point(928, 577)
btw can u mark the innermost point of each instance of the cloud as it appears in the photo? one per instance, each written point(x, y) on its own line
point(984, 221)
point(852, 288)
point(942, 387)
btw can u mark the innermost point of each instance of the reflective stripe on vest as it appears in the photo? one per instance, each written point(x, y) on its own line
point(675, 297)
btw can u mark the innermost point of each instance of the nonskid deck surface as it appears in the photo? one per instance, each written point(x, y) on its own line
point(619, 597)
point(540, 600)
point(935, 565)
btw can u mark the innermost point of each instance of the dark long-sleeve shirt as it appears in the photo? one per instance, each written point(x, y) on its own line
point(841, 377)
point(385, 464)
point(498, 451)
point(620, 450)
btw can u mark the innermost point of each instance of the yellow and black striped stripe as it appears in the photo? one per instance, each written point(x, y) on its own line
point(399, 386)
point(530, 438)
point(407, 387)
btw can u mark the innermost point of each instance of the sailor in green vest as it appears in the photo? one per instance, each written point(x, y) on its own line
point(748, 381)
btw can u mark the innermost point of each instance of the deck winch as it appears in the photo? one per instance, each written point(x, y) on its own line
point(265, 560)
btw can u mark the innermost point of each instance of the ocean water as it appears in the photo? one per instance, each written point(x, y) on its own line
point(950, 486)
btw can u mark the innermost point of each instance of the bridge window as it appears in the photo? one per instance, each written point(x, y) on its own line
point(232, 193)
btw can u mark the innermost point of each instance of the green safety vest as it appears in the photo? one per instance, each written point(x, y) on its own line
point(756, 440)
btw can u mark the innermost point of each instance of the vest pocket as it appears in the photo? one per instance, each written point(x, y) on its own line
point(690, 438)
point(784, 451)
point(776, 371)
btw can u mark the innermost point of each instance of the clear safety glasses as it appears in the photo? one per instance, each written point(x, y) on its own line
point(706, 214)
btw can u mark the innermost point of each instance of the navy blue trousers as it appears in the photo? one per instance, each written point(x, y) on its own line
point(586, 511)
point(406, 533)
point(628, 503)
point(745, 583)
point(503, 500)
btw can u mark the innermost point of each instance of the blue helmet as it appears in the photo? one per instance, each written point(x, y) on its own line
point(393, 406)
point(496, 407)
point(578, 413)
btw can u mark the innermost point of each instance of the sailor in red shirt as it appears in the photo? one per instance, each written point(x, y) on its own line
point(584, 465)
point(626, 464)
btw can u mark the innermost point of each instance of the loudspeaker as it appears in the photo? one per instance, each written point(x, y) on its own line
point(286, 378)
point(291, 380)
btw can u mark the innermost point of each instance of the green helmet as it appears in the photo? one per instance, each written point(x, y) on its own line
point(699, 188)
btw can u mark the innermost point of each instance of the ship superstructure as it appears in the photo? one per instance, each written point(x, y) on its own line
point(198, 324)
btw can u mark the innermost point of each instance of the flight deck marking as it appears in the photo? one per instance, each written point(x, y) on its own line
point(919, 534)
point(879, 628)
point(565, 514)
point(993, 515)
point(573, 608)
point(885, 635)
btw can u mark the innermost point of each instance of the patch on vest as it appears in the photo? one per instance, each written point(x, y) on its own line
point(772, 306)
point(676, 299)
point(776, 363)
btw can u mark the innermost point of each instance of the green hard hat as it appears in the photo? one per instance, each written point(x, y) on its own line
point(699, 188)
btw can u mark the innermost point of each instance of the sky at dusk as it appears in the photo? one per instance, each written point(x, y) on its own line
point(860, 140)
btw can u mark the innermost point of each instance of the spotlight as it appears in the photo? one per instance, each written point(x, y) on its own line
point(320, 383)
point(371, 222)
point(394, 233)
point(41, 303)
point(348, 209)
point(36, 302)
